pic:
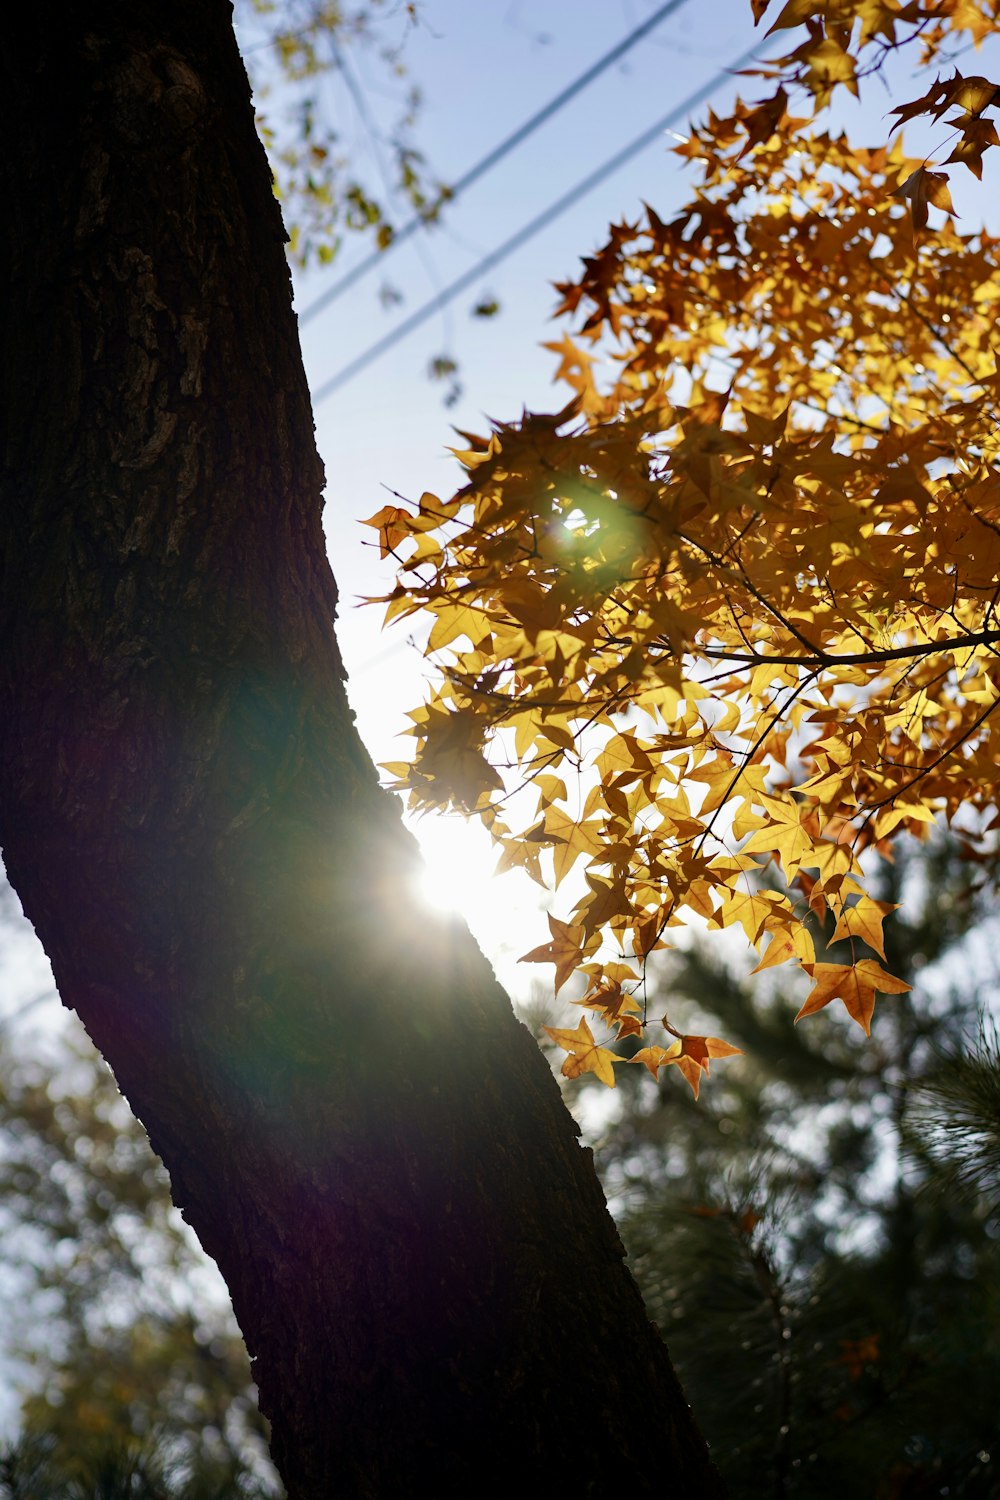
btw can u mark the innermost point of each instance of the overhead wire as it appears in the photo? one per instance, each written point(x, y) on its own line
point(490, 160)
point(328, 387)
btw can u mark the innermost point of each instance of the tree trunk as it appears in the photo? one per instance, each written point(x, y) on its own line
point(356, 1126)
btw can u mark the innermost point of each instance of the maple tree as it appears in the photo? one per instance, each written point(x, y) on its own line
point(728, 621)
point(363, 1136)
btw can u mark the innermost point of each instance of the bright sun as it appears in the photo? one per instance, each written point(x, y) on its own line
point(504, 912)
point(458, 866)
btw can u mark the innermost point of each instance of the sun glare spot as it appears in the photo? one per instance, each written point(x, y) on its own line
point(458, 866)
point(504, 912)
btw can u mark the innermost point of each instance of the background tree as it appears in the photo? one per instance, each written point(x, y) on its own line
point(361, 1134)
point(301, 55)
point(124, 1326)
point(955, 1116)
point(38, 1469)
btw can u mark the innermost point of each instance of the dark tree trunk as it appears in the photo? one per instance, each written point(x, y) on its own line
point(359, 1131)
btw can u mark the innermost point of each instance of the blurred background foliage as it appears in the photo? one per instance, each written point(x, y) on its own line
point(117, 1328)
point(818, 1237)
point(337, 168)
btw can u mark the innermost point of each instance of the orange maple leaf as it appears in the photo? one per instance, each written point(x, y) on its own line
point(925, 189)
point(692, 1054)
point(565, 951)
point(855, 984)
point(857, 1354)
point(393, 526)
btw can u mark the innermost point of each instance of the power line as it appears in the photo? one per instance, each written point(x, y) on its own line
point(488, 161)
point(427, 310)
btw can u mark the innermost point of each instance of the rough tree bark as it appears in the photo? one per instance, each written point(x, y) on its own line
point(359, 1131)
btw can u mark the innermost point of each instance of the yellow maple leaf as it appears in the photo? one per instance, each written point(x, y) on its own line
point(864, 920)
point(755, 911)
point(651, 1057)
point(586, 1056)
point(454, 620)
point(783, 835)
point(788, 943)
point(794, 13)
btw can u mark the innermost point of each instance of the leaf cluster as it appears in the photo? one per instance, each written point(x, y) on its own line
point(728, 621)
point(849, 40)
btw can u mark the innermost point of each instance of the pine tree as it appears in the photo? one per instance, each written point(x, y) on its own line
point(38, 1468)
point(828, 1294)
